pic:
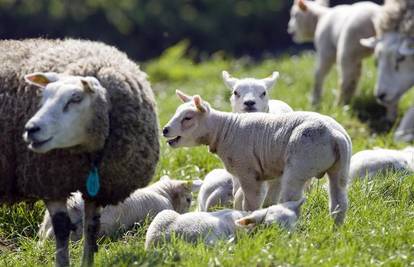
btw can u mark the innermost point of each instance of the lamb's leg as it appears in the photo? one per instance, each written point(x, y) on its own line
point(251, 189)
point(293, 183)
point(350, 70)
point(324, 61)
point(61, 227)
point(90, 232)
point(238, 199)
point(272, 194)
point(338, 195)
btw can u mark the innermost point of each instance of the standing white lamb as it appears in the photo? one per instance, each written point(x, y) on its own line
point(368, 163)
point(255, 147)
point(210, 227)
point(335, 32)
point(394, 51)
point(142, 204)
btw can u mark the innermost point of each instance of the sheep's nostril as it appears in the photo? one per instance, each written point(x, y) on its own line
point(381, 97)
point(250, 103)
point(165, 131)
point(31, 129)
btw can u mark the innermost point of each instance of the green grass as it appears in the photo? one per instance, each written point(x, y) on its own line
point(379, 229)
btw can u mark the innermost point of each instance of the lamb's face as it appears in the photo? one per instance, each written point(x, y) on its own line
point(65, 111)
point(249, 95)
point(395, 63)
point(183, 197)
point(186, 127)
point(302, 23)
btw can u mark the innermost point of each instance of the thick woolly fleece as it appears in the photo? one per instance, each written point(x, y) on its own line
point(125, 126)
point(396, 16)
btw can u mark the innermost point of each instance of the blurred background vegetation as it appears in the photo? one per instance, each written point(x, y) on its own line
point(144, 28)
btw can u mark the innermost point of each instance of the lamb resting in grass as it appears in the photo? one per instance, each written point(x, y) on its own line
point(210, 227)
point(142, 204)
point(368, 163)
point(335, 32)
point(217, 189)
point(91, 126)
point(255, 147)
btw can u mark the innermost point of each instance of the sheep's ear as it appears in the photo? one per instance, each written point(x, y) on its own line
point(370, 42)
point(182, 96)
point(198, 102)
point(165, 178)
point(271, 80)
point(302, 5)
point(229, 81)
point(90, 84)
point(41, 79)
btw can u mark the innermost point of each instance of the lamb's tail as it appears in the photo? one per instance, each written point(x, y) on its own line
point(343, 152)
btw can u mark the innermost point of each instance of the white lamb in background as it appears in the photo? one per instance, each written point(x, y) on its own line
point(217, 189)
point(368, 163)
point(209, 227)
point(142, 204)
point(292, 148)
point(336, 33)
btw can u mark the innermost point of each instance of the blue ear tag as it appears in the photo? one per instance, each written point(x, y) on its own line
point(92, 183)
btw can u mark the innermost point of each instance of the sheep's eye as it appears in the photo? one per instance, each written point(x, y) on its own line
point(400, 58)
point(263, 94)
point(76, 98)
point(187, 118)
point(188, 199)
point(236, 93)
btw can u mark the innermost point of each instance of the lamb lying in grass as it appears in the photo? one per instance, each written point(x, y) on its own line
point(368, 163)
point(217, 189)
point(209, 227)
point(142, 204)
point(336, 33)
point(255, 147)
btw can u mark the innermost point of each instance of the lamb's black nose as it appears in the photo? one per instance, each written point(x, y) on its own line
point(31, 129)
point(165, 131)
point(382, 96)
point(250, 103)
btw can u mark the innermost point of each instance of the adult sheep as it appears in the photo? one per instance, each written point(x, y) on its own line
point(91, 118)
point(335, 32)
point(255, 147)
point(394, 51)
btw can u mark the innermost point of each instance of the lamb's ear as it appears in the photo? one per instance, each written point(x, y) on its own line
point(182, 96)
point(271, 80)
point(302, 5)
point(246, 222)
point(229, 81)
point(294, 205)
point(370, 42)
point(196, 185)
point(90, 84)
point(198, 102)
point(41, 79)
point(165, 178)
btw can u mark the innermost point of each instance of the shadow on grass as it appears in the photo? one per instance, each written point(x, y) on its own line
point(370, 112)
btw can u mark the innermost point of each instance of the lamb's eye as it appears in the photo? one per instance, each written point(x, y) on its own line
point(236, 93)
point(187, 118)
point(263, 94)
point(188, 199)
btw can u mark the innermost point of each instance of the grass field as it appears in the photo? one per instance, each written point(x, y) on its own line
point(379, 229)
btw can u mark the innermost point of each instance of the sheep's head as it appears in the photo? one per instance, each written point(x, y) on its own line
point(395, 63)
point(285, 214)
point(248, 94)
point(303, 19)
point(69, 112)
point(188, 125)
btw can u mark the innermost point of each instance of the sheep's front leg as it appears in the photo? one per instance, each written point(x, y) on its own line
point(62, 227)
point(350, 71)
point(251, 189)
point(325, 58)
point(90, 232)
